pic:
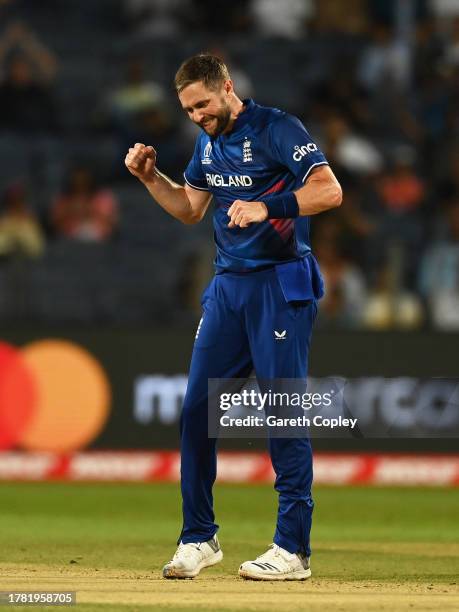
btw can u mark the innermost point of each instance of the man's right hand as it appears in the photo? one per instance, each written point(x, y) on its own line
point(140, 161)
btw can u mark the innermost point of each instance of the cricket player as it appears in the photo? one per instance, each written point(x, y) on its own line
point(266, 177)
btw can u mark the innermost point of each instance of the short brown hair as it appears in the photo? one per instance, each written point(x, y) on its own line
point(204, 67)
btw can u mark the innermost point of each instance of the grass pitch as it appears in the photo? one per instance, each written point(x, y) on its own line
point(373, 548)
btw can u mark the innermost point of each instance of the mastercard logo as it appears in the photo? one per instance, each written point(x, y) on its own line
point(54, 396)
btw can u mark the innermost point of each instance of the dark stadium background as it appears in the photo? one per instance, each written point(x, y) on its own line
point(377, 85)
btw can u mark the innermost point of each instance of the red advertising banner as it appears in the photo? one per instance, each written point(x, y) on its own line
point(237, 467)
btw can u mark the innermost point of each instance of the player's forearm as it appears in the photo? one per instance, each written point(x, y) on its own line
point(171, 196)
point(318, 196)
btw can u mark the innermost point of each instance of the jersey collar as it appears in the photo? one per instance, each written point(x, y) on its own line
point(242, 119)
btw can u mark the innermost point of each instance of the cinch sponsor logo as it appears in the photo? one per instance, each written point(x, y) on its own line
point(218, 180)
point(300, 152)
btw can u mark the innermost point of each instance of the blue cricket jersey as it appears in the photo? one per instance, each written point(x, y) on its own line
point(268, 151)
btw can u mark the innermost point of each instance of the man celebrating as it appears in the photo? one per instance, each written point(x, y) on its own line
point(267, 177)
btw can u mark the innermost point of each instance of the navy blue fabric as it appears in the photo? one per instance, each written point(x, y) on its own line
point(236, 335)
point(267, 152)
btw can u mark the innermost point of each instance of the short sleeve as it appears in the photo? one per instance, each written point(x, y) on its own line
point(193, 174)
point(293, 147)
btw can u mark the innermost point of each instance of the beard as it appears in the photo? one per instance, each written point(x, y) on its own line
point(216, 124)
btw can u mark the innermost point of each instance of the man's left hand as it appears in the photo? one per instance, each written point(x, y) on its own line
point(242, 213)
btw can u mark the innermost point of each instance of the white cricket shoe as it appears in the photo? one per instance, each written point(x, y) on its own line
point(190, 559)
point(276, 564)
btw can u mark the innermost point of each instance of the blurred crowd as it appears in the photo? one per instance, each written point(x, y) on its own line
point(376, 82)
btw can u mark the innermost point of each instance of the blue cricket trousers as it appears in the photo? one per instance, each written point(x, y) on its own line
point(236, 335)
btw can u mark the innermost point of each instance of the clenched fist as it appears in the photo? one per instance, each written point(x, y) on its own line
point(242, 213)
point(140, 161)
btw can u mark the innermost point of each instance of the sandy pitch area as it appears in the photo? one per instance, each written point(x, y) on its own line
point(209, 591)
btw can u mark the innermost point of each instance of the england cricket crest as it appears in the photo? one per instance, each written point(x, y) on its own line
point(246, 151)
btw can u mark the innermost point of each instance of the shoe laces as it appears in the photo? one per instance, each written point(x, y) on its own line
point(277, 555)
point(273, 551)
point(188, 550)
